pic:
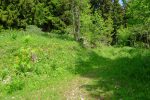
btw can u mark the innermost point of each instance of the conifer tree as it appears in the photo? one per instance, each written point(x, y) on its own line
point(117, 17)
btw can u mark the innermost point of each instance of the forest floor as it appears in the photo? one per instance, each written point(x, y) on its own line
point(39, 66)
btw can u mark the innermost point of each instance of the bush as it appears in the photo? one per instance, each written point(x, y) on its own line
point(123, 36)
point(137, 36)
point(140, 36)
point(33, 29)
point(24, 59)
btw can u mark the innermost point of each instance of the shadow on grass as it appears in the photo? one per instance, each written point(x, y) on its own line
point(125, 78)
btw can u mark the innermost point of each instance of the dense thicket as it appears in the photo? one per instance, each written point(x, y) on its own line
point(137, 16)
point(98, 21)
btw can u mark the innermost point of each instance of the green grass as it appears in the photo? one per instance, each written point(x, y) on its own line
point(54, 57)
point(48, 67)
point(117, 73)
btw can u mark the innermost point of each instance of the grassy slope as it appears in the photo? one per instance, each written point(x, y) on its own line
point(63, 69)
point(55, 56)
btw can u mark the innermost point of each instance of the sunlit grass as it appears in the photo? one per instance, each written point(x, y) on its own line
point(51, 62)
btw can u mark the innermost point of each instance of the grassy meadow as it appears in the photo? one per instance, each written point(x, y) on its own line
point(46, 66)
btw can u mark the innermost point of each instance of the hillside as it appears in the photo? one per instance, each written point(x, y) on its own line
point(40, 66)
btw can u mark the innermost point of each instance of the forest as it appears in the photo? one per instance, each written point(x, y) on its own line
point(74, 49)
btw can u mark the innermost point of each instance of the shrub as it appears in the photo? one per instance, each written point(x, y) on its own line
point(140, 36)
point(33, 29)
point(23, 60)
point(123, 36)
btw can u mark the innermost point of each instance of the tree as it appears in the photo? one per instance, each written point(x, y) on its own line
point(125, 5)
point(117, 16)
point(75, 6)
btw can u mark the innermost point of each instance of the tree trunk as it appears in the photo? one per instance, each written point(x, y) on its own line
point(76, 19)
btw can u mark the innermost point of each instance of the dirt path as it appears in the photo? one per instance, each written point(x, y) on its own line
point(75, 90)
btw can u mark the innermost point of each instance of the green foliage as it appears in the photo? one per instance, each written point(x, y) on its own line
point(23, 60)
point(101, 29)
point(137, 36)
point(15, 85)
point(33, 29)
point(32, 60)
point(14, 35)
point(117, 70)
point(86, 23)
point(98, 21)
point(4, 73)
point(123, 36)
point(95, 29)
point(137, 32)
point(138, 12)
point(1, 27)
point(141, 35)
point(40, 14)
point(56, 66)
point(20, 13)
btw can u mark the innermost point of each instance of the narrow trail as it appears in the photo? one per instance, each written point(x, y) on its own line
point(75, 90)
